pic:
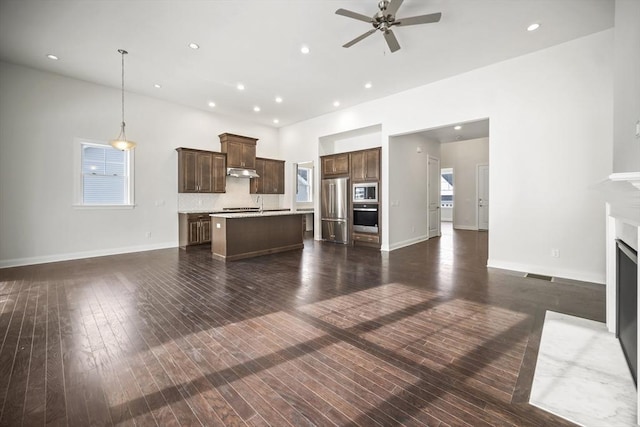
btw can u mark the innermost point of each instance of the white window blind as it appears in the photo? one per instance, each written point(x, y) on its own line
point(105, 175)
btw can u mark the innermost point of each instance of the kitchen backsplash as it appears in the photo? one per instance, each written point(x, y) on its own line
point(237, 195)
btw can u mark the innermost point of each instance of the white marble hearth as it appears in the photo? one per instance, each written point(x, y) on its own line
point(581, 374)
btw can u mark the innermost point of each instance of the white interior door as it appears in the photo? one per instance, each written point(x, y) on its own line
point(483, 197)
point(434, 196)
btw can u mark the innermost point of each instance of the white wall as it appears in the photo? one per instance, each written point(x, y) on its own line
point(626, 156)
point(408, 184)
point(41, 114)
point(464, 157)
point(551, 141)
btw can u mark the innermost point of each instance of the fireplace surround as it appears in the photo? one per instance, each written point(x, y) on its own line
point(627, 304)
point(622, 225)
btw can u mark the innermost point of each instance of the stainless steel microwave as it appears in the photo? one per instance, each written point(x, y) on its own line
point(365, 192)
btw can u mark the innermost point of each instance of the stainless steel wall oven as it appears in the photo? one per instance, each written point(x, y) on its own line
point(365, 218)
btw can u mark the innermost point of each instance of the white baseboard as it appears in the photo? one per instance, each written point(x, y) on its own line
point(465, 227)
point(581, 276)
point(17, 262)
point(406, 243)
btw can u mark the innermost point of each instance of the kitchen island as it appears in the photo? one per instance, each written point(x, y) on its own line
point(249, 234)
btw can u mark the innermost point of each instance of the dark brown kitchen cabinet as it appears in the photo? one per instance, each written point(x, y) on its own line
point(271, 180)
point(200, 171)
point(336, 164)
point(240, 150)
point(219, 172)
point(194, 229)
point(365, 165)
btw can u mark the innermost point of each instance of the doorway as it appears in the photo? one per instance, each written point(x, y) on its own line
point(446, 195)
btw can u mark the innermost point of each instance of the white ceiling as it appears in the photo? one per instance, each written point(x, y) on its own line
point(469, 130)
point(257, 42)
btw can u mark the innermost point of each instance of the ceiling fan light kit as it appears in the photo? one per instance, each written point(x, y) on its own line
point(384, 19)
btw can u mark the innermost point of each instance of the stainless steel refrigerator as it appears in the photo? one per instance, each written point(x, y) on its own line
point(335, 210)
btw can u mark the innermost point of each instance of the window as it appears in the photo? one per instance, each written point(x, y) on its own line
point(305, 185)
point(446, 188)
point(105, 177)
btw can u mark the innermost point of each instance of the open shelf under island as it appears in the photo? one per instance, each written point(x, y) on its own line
point(244, 235)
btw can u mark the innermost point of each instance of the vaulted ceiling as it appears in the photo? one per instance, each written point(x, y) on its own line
point(258, 43)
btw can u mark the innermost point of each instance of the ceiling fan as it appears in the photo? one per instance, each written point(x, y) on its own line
point(384, 19)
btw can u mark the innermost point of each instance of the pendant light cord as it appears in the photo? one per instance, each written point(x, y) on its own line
point(122, 53)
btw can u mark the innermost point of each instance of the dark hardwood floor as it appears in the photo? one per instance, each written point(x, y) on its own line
point(330, 335)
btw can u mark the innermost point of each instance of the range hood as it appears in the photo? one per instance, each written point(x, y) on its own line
point(242, 173)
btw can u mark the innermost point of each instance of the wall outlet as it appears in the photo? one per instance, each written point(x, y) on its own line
point(555, 252)
point(199, 202)
point(217, 225)
point(148, 234)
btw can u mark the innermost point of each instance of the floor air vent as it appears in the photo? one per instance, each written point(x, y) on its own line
point(539, 276)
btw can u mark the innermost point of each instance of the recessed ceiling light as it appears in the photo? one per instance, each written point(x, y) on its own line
point(457, 127)
point(368, 85)
point(336, 103)
point(52, 56)
point(276, 121)
point(211, 104)
point(278, 99)
point(194, 46)
point(533, 27)
point(305, 49)
point(256, 109)
point(157, 86)
point(240, 86)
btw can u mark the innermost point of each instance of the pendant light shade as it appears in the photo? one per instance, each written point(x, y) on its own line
point(121, 142)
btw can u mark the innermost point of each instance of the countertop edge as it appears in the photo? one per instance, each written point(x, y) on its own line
point(255, 214)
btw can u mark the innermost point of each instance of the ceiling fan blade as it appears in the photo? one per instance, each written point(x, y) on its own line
point(392, 41)
point(357, 39)
point(393, 7)
point(422, 19)
point(354, 15)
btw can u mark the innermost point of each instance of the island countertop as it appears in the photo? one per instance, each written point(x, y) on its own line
point(256, 214)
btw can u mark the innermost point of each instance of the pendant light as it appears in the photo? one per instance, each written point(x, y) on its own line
point(121, 143)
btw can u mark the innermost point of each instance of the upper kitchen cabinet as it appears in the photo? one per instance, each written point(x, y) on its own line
point(271, 180)
point(200, 171)
point(219, 172)
point(241, 150)
point(365, 165)
point(335, 164)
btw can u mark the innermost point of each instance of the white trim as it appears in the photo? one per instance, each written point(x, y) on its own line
point(632, 178)
point(546, 271)
point(465, 227)
point(115, 207)
point(610, 270)
point(405, 243)
point(16, 262)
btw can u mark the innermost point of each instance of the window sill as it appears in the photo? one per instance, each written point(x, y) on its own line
point(107, 207)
